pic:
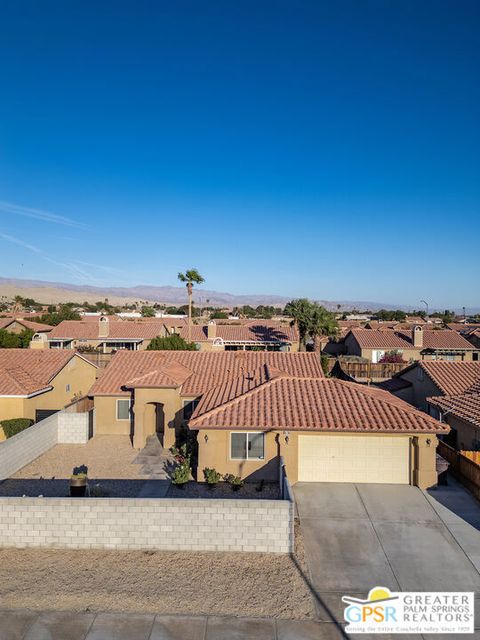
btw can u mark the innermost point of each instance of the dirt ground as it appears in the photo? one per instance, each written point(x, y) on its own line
point(238, 584)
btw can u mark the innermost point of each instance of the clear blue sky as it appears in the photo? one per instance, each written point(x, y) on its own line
point(326, 149)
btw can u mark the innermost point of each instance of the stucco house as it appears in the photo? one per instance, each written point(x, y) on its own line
point(461, 411)
point(249, 336)
point(106, 334)
point(446, 390)
point(249, 408)
point(417, 344)
point(17, 325)
point(34, 384)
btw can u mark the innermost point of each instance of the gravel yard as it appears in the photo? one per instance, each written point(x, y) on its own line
point(250, 490)
point(109, 461)
point(237, 584)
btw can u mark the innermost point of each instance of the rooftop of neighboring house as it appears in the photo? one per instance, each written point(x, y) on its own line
point(268, 398)
point(450, 377)
point(253, 331)
point(432, 339)
point(38, 327)
point(27, 371)
point(415, 320)
point(465, 405)
point(462, 327)
point(195, 371)
point(117, 330)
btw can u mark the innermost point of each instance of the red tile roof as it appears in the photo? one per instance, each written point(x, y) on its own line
point(208, 368)
point(328, 405)
point(387, 339)
point(450, 377)
point(465, 406)
point(122, 330)
point(28, 324)
point(25, 371)
point(251, 332)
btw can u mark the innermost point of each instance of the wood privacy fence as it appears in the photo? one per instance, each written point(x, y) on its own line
point(80, 405)
point(465, 465)
point(370, 370)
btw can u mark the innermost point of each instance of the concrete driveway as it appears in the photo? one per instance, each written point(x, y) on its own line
point(397, 536)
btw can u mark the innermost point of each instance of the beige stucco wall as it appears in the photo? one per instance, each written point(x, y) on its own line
point(468, 435)
point(78, 373)
point(144, 422)
point(422, 388)
point(106, 422)
point(214, 452)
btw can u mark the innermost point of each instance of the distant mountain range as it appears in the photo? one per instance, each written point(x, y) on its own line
point(57, 292)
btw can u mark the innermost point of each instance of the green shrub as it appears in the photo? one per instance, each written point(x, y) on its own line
point(234, 481)
point(15, 425)
point(181, 474)
point(212, 476)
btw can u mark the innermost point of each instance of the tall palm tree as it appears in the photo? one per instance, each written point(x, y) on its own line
point(322, 323)
point(300, 310)
point(190, 277)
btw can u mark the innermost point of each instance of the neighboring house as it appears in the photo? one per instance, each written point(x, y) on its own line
point(251, 336)
point(105, 335)
point(17, 325)
point(417, 344)
point(34, 384)
point(424, 379)
point(463, 327)
point(461, 412)
point(250, 408)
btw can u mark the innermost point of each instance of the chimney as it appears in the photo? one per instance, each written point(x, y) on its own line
point(417, 336)
point(103, 328)
point(212, 330)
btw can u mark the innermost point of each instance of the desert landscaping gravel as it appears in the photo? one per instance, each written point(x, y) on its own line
point(238, 584)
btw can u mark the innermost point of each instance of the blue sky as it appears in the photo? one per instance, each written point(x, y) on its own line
point(297, 148)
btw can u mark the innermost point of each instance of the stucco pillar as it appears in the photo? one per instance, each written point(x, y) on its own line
point(425, 468)
point(139, 438)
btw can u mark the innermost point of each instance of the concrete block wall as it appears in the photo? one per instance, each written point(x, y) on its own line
point(61, 427)
point(72, 428)
point(143, 523)
point(27, 445)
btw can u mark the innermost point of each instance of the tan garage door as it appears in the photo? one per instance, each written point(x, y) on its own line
point(325, 458)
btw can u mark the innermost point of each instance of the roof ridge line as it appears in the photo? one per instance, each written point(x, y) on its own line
point(241, 396)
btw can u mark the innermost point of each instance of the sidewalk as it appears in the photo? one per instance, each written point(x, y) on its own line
point(66, 625)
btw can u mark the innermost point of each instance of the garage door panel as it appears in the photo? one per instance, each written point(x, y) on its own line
point(323, 458)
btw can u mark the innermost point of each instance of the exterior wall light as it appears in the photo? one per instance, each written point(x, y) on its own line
point(205, 437)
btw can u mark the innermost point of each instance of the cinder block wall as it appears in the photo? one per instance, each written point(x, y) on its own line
point(61, 427)
point(136, 523)
point(72, 428)
point(27, 445)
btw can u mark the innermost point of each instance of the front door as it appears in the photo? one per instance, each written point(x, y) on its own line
point(160, 422)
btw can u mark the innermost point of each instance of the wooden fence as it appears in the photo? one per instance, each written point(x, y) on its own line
point(369, 370)
point(80, 405)
point(465, 465)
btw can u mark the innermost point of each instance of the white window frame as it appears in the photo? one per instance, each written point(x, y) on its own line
point(129, 408)
point(245, 433)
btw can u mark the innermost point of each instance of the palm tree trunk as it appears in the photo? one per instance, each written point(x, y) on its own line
point(189, 290)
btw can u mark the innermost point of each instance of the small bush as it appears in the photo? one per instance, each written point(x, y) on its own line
point(181, 474)
point(15, 425)
point(234, 481)
point(212, 476)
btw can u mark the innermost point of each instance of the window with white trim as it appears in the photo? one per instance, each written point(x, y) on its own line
point(247, 446)
point(123, 409)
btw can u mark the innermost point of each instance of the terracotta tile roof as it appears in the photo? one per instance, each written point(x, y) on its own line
point(463, 327)
point(440, 339)
point(251, 332)
point(450, 377)
point(25, 371)
point(170, 374)
point(415, 320)
point(28, 324)
point(465, 406)
point(327, 405)
point(208, 369)
point(394, 384)
point(123, 330)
